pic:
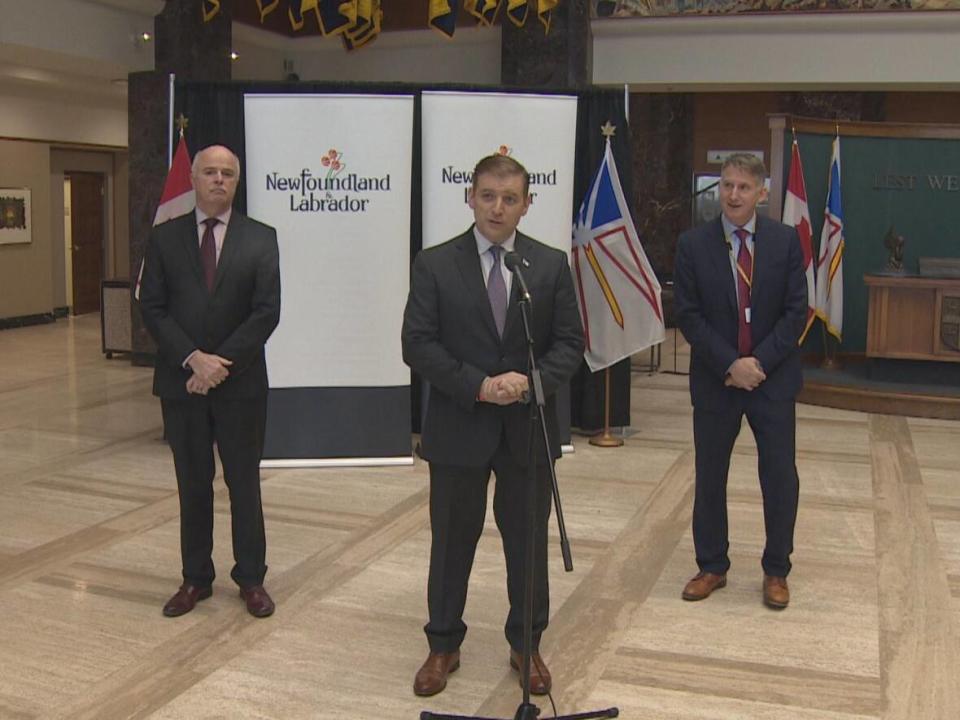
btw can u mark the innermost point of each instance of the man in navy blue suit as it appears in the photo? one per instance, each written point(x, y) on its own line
point(741, 303)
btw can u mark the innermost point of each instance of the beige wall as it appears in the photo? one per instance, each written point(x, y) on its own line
point(113, 165)
point(26, 282)
point(121, 215)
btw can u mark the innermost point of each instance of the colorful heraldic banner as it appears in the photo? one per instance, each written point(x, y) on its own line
point(459, 128)
point(332, 174)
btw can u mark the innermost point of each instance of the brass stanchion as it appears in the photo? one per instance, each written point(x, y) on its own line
point(830, 361)
point(605, 439)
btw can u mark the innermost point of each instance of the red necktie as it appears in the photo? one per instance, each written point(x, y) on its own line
point(744, 281)
point(208, 253)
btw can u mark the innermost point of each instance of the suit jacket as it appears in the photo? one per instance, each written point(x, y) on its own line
point(234, 321)
point(705, 297)
point(450, 338)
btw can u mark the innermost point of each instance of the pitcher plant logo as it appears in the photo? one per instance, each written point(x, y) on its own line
point(333, 161)
point(328, 188)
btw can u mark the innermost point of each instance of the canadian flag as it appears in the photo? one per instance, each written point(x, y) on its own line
point(177, 197)
point(796, 213)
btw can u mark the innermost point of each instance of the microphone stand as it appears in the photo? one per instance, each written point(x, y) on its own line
point(527, 710)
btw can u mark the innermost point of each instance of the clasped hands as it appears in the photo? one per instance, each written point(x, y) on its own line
point(746, 373)
point(504, 389)
point(208, 371)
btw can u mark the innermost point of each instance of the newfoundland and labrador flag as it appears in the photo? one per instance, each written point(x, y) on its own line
point(617, 290)
point(830, 259)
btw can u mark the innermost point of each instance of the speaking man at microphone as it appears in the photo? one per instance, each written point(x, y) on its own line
point(463, 333)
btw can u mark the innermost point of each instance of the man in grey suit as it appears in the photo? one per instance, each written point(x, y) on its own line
point(210, 297)
point(463, 333)
point(741, 302)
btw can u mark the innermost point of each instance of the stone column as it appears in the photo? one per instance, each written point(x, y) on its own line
point(191, 49)
point(661, 126)
point(560, 58)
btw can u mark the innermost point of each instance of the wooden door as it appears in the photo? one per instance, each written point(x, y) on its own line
point(87, 230)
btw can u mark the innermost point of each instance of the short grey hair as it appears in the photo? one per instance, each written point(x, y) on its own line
point(748, 163)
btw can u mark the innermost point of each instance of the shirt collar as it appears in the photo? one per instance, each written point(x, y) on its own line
point(729, 227)
point(483, 244)
point(223, 217)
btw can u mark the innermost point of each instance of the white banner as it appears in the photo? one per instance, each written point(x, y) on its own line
point(459, 128)
point(332, 174)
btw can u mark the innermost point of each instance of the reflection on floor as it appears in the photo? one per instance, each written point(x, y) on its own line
point(89, 553)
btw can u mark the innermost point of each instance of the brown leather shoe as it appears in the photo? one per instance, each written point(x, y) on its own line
point(702, 584)
point(185, 599)
point(540, 680)
point(258, 601)
point(776, 594)
point(432, 676)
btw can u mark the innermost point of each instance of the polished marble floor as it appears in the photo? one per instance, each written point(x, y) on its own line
point(89, 553)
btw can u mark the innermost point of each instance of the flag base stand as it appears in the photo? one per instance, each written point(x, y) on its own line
point(605, 439)
point(830, 361)
point(832, 364)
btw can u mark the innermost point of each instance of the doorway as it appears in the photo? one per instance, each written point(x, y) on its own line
point(87, 231)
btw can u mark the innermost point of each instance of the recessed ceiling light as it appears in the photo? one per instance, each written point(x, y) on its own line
point(234, 55)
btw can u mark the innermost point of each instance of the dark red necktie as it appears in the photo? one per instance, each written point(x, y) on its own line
point(744, 282)
point(208, 253)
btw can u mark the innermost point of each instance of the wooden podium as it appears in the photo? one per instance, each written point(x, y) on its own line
point(913, 318)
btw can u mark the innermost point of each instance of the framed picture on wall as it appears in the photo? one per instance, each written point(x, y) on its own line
point(706, 198)
point(15, 225)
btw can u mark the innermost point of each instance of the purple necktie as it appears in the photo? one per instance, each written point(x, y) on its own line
point(208, 253)
point(744, 283)
point(497, 290)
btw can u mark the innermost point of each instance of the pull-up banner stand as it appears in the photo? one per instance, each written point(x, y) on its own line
point(332, 173)
point(539, 131)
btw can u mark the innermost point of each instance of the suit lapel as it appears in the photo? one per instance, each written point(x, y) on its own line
point(471, 274)
point(521, 246)
point(760, 251)
point(720, 254)
point(191, 246)
point(231, 242)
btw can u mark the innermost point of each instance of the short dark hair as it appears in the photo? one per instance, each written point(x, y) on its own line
point(748, 163)
point(501, 166)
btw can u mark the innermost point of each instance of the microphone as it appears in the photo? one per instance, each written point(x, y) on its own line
point(512, 261)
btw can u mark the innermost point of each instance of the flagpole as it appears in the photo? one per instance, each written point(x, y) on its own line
point(605, 439)
point(171, 81)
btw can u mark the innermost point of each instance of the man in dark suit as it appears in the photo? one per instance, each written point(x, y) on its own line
point(463, 333)
point(741, 303)
point(210, 296)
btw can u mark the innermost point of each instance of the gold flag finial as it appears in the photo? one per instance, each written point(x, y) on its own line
point(608, 129)
point(210, 9)
point(181, 122)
